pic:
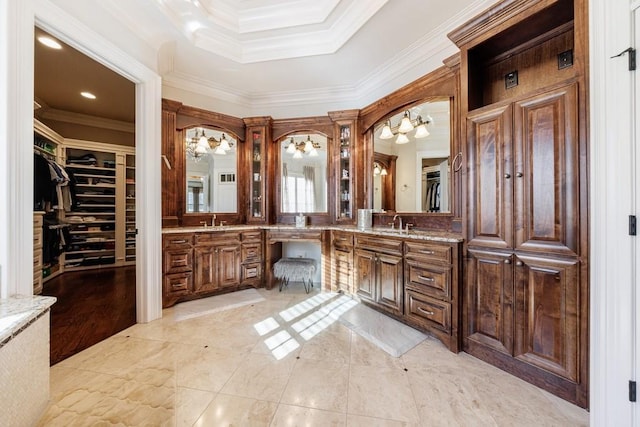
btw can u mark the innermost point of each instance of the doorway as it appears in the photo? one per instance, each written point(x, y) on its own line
point(85, 130)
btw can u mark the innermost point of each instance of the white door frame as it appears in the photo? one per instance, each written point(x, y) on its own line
point(16, 159)
point(612, 199)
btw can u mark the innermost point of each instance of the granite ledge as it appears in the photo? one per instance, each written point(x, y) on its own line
point(438, 236)
point(18, 312)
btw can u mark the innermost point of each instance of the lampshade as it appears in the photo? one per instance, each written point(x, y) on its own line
point(308, 145)
point(383, 172)
point(291, 148)
point(219, 150)
point(297, 154)
point(224, 144)
point(200, 150)
point(405, 124)
point(402, 139)
point(202, 141)
point(376, 169)
point(421, 131)
point(386, 131)
point(313, 152)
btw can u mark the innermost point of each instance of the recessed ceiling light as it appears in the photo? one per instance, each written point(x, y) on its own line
point(88, 95)
point(49, 42)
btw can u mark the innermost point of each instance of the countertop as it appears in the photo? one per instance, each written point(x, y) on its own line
point(16, 313)
point(439, 236)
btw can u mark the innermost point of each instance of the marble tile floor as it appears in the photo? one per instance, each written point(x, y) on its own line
point(279, 363)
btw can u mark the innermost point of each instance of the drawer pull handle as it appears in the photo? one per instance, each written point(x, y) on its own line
point(424, 251)
point(428, 279)
point(177, 285)
point(427, 312)
point(175, 242)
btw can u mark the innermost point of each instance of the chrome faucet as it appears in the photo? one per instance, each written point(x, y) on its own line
point(393, 222)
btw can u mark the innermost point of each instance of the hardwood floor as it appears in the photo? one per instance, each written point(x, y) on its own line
point(92, 306)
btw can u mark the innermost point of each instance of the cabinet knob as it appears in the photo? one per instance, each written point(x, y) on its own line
point(507, 175)
point(507, 261)
point(519, 263)
point(519, 175)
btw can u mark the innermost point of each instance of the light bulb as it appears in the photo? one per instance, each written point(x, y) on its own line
point(405, 124)
point(292, 147)
point(224, 144)
point(386, 131)
point(421, 131)
point(402, 139)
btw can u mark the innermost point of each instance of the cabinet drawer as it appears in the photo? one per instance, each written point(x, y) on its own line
point(37, 221)
point(37, 238)
point(279, 236)
point(428, 251)
point(430, 279)
point(251, 236)
point(37, 259)
point(251, 251)
point(379, 244)
point(251, 271)
point(178, 260)
point(342, 239)
point(177, 284)
point(177, 240)
point(217, 238)
point(427, 311)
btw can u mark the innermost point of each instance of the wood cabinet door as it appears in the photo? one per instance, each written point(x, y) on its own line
point(546, 172)
point(365, 274)
point(547, 320)
point(490, 189)
point(390, 284)
point(342, 266)
point(205, 269)
point(489, 300)
point(228, 265)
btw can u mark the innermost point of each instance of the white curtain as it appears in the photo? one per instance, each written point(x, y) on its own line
point(309, 174)
point(285, 188)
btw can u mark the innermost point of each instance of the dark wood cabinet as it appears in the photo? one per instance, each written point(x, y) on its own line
point(379, 272)
point(198, 264)
point(342, 262)
point(526, 255)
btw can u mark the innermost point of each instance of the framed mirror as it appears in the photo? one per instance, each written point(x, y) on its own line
point(418, 139)
point(211, 171)
point(303, 173)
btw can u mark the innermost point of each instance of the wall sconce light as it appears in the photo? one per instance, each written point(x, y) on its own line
point(378, 169)
point(308, 147)
point(200, 145)
point(405, 126)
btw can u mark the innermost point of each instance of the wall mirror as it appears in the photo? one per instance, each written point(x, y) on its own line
point(211, 171)
point(303, 173)
point(418, 140)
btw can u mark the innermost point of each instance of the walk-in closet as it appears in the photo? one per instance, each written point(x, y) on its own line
point(84, 196)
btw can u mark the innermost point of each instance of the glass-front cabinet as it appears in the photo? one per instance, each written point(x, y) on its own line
point(257, 135)
point(344, 163)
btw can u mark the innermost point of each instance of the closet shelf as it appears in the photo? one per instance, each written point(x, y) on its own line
point(89, 167)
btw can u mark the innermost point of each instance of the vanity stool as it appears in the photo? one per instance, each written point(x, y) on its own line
point(296, 269)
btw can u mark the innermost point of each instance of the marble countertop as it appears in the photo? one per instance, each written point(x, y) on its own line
point(16, 313)
point(439, 236)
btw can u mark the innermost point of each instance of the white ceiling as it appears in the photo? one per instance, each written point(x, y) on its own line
point(275, 56)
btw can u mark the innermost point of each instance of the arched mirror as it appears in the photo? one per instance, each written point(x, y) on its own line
point(211, 171)
point(418, 139)
point(303, 173)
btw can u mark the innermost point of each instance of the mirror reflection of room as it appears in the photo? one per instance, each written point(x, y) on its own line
point(303, 166)
point(420, 137)
point(211, 171)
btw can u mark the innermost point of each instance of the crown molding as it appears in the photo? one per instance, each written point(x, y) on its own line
point(421, 57)
point(86, 120)
point(219, 30)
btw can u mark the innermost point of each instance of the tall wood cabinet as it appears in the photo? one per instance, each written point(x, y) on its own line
point(526, 281)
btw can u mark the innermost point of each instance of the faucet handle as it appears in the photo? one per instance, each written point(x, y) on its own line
point(204, 223)
point(409, 225)
point(213, 220)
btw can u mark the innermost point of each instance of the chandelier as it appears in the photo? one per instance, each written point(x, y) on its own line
point(308, 147)
point(406, 125)
point(199, 146)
